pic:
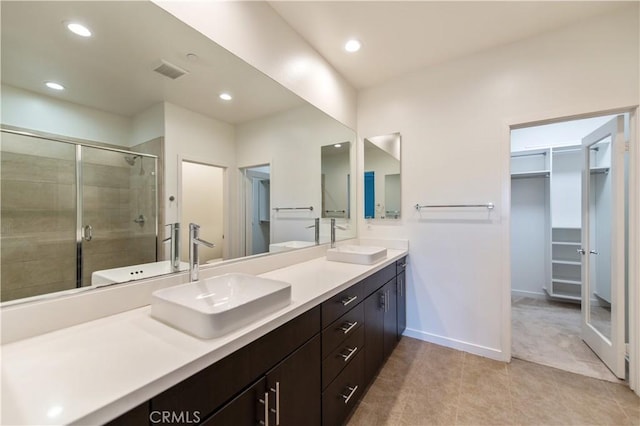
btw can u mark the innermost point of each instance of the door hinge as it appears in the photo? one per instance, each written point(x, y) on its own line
point(626, 146)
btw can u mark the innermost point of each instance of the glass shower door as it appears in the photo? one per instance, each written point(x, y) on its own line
point(119, 215)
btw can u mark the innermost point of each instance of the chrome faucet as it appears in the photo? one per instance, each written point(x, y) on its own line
point(174, 237)
point(316, 225)
point(333, 231)
point(194, 241)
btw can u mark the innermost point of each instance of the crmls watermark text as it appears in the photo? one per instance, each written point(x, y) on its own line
point(172, 417)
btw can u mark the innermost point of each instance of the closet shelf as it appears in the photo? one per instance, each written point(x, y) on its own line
point(572, 282)
point(565, 296)
point(566, 262)
point(531, 174)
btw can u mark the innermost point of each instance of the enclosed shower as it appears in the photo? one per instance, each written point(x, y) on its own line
point(70, 208)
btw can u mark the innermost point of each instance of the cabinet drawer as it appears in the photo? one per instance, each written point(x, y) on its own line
point(343, 393)
point(341, 303)
point(342, 356)
point(342, 328)
point(401, 265)
point(377, 280)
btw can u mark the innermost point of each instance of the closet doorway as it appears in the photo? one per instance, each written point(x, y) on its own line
point(257, 212)
point(568, 232)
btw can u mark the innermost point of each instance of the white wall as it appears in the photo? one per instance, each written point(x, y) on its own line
point(254, 32)
point(291, 142)
point(148, 125)
point(454, 122)
point(192, 136)
point(30, 110)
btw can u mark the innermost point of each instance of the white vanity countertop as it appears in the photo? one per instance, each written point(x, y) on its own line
point(93, 372)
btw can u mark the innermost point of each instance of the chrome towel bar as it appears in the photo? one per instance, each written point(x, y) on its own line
point(310, 208)
point(488, 206)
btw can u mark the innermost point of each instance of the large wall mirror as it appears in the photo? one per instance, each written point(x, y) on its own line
point(153, 124)
point(382, 177)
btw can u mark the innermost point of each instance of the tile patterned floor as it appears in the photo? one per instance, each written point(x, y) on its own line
point(426, 384)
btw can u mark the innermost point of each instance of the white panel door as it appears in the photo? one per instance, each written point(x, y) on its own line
point(603, 243)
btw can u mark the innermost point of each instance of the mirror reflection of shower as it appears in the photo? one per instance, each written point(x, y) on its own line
point(131, 160)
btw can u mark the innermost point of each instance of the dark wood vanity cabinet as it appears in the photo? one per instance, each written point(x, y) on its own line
point(205, 392)
point(381, 327)
point(312, 370)
point(401, 282)
point(289, 394)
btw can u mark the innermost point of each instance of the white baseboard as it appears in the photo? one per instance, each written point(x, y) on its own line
point(471, 348)
point(532, 294)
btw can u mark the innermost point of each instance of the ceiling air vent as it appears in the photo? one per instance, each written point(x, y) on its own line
point(169, 70)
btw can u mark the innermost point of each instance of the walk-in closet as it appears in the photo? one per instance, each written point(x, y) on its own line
point(553, 199)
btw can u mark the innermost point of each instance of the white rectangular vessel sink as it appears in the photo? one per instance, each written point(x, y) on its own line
point(215, 306)
point(289, 245)
point(364, 255)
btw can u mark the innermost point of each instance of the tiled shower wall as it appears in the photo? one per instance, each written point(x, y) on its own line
point(38, 214)
point(38, 250)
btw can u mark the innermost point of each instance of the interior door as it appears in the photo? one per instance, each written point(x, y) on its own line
point(603, 243)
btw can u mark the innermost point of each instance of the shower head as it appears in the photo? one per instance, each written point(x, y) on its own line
point(131, 160)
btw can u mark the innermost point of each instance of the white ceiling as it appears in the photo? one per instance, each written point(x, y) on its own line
point(403, 36)
point(113, 70)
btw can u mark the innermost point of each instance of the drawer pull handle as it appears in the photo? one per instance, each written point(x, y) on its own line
point(265, 401)
point(352, 351)
point(404, 265)
point(352, 390)
point(348, 300)
point(277, 410)
point(348, 326)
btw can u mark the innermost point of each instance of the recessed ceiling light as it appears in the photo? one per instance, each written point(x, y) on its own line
point(78, 29)
point(53, 85)
point(225, 96)
point(352, 45)
point(337, 145)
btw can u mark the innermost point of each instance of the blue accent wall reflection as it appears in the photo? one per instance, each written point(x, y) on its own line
point(369, 195)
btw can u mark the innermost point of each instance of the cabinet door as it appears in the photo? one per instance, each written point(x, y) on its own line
point(136, 416)
point(247, 409)
point(390, 338)
point(402, 303)
point(373, 334)
point(294, 387)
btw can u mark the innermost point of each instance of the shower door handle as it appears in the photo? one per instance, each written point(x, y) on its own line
point(88, 233)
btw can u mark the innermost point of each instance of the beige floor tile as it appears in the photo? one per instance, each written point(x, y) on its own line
point(420, 410)
point(424, 384)
point(623, 395)
point(633, 414)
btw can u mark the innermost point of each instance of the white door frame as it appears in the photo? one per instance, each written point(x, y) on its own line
point(634, 227)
